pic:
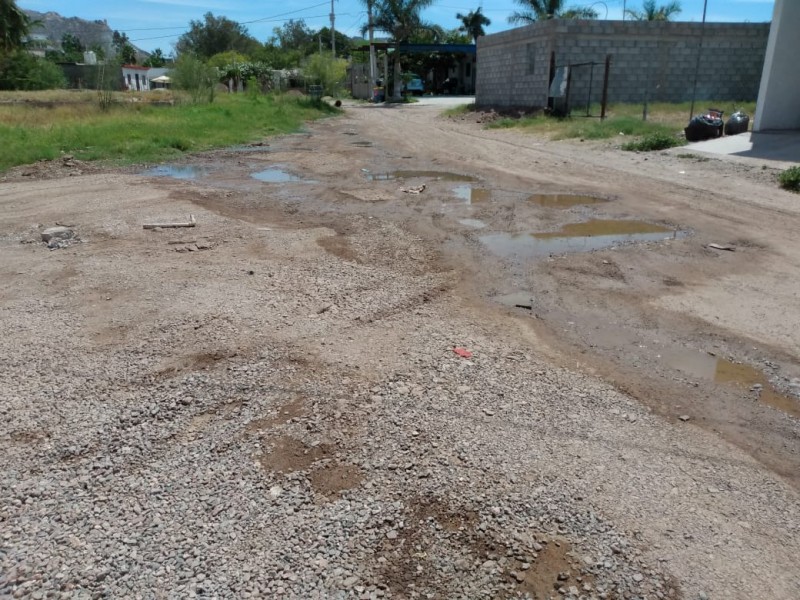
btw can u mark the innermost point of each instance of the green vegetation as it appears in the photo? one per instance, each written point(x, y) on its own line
point(329, 72)
point(790, 179)
point(132, 132)
point(461, 109)
point(653, 141)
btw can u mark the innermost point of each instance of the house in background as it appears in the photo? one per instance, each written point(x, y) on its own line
point(136, 78)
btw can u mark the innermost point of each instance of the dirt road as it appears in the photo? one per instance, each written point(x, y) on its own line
point(270, 405)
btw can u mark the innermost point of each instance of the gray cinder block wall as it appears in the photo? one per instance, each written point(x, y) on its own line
point(649, 60)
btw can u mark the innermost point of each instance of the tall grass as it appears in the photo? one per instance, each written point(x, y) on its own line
point(622, 120)
point(138, 131)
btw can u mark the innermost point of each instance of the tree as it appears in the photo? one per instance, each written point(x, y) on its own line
point(296, 35)
point(401, 19)
point(14, 26)
point(651, 12)
point(214, 35)
point(22, 71)
point(473, 23)
point(156, 59)
point(541, 10)
point(128, 55)
point(72, 48)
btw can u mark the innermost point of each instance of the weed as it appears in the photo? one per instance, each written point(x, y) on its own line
point(790, 179)
point(654, 141)
point(461, 109)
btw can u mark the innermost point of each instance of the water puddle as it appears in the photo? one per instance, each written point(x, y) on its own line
point(437, 175)
point(177, 172)
point(516, 300)
point(276, 175)
point(472, 195)
point(362, 144)
point(719, 370)
point(474, 223)
point(564, 200)
point(577, 237)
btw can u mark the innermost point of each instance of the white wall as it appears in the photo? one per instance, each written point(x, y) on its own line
point(779, 96)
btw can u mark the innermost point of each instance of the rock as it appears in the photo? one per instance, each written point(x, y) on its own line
point(638, 577)
point(684, 418)
point(58, 233)
point(392, 534)
point(519, 577)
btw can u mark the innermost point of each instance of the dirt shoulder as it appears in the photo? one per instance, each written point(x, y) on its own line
point(269, 404)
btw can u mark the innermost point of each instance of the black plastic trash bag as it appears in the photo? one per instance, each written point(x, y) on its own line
point(705, 127)
point(738, 123)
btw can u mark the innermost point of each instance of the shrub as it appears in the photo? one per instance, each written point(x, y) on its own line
point(195, 77)
point(790, 179)
point(326, 71)
point(653, 141)
point(22, 71)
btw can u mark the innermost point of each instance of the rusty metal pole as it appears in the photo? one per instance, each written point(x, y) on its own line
point(605, 88)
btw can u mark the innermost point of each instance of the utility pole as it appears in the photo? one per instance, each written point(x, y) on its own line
point(623, 9)
point(333, 31)
point(372, 65)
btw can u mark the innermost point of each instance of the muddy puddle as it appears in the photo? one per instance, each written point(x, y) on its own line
point(278, 175)
point(437, 175)
point(177, 172)
point(577, 237)
point(564, 200)
point(472, 195)
point(745, 377)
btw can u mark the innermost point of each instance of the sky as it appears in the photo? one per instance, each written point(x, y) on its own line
point(154, 24)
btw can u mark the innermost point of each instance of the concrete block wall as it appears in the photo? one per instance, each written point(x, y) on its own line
point(648, 60)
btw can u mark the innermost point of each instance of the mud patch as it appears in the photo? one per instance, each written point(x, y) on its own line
point(293, 410)
point(289, 455)
point(333, 478)
point(564, 200)
point(339, 246)
point(725, 372)
point(193, 362)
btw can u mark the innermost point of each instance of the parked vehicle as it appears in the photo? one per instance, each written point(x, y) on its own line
point(414, 86)
point(738, 123)
point(705, 127)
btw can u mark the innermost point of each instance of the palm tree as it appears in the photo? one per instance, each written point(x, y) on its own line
point(473, 22)
point(650, 12)
point(14, 26)
point(541, 10)
point(401, 19)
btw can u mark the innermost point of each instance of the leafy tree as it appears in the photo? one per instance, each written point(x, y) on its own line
point(473, 23)
point(14, 26)
point(128, 55)
point(541, 10)
point(230, 57)
point(344, 45)
point(99, 51)
point(294, 34)
point(156, 59)
point(402, 20)
point(119, 40)
point(194, 76)
point(72, 48)
point(651, 12)
point(327, 71)
point(214, 35)
point(20, 70)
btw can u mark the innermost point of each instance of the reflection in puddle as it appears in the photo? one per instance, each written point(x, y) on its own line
point(474, 223)
point(576, 237)
point(275, 175)
point(177, 172)
point(719, 370)
point(439, 175)
point(564, 200)
point(472, 195)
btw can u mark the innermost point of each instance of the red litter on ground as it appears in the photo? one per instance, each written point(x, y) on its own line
point(463, 352)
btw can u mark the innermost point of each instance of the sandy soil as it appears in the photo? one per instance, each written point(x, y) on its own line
point(652, 384)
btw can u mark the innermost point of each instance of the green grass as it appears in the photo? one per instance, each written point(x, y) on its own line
point(654, 141)
point(461, 109)
point(140, 132)
point(622, 120)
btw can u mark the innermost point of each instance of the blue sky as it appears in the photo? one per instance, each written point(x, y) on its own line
point(158, 23)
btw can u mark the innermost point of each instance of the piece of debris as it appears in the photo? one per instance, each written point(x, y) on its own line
point(684, 418)
point(463, 352)
point(414, 190)
point(525, 306)
point(59, 233)
point(722, 247)
point(190, 223)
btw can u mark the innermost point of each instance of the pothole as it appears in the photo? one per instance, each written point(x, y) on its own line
point(577, 237)
point(722, 371)
point(564, 200)
point(437, 175)
point(177, 172)
point(472, 195)
point(277, 175)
